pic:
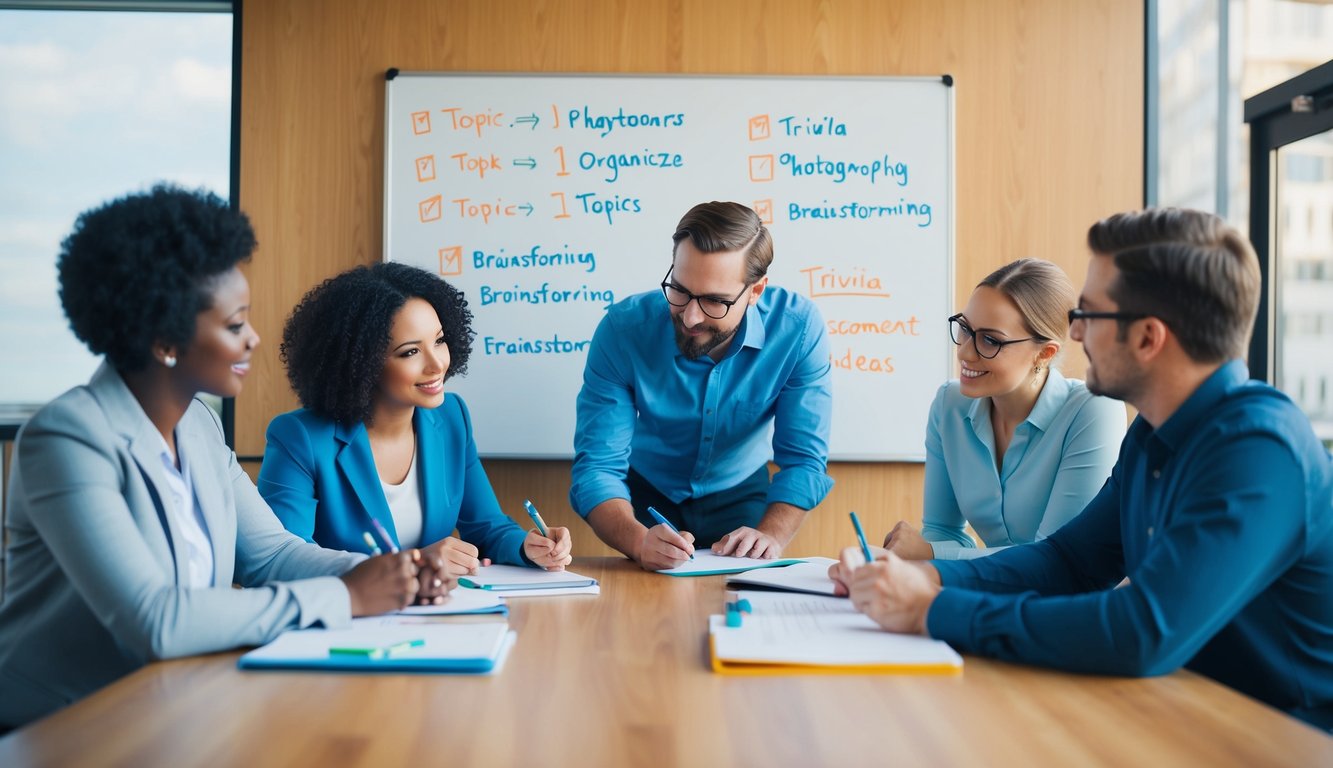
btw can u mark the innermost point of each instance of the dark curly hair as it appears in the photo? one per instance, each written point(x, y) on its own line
point(337, 338)
point(138, 270)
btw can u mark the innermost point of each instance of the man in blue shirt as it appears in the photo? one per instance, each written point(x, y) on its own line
point(680, 390)
point(1218, 512)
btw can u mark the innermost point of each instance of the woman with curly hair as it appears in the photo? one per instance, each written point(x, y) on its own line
point(380, 456)
point(129, 518)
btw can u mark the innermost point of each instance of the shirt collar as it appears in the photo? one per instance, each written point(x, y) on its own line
point(1053, 395)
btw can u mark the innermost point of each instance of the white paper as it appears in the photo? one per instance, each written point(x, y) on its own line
point(813, 638)
point(442, 641)
point(516, 581)
point(460, 600)
point(706, 563)
point(808, 576)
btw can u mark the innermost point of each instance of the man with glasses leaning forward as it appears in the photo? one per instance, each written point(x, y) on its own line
point(679, 391)
point(1217, 513)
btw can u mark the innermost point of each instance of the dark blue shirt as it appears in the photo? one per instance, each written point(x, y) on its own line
point(1221, 519)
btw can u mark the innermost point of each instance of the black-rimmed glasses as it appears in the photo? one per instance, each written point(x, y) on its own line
point(710, 305)
point(1083, 314)
point(986, 345)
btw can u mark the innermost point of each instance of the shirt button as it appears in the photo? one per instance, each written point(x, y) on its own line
point(1150, 529)
point(709, 411)
point(1157, 473)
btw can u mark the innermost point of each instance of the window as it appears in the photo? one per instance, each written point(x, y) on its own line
point(93, 105)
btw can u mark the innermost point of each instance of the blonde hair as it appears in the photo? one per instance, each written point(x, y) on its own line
point(1042, 293)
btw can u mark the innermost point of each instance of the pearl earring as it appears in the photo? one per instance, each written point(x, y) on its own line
point(169, 361)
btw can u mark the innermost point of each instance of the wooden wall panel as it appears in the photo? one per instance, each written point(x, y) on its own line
point(1049, 131)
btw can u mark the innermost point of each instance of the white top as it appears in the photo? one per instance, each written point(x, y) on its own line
point(189, 519)
point(405, 505)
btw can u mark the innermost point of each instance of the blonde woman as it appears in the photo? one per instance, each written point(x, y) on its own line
point(1012, 447)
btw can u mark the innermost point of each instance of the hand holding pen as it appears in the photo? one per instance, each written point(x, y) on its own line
point(547, 547)
point(663, 546)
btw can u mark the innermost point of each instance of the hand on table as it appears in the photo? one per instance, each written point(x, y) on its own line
point(459, 557)
point(748, 542)
point(906, 542)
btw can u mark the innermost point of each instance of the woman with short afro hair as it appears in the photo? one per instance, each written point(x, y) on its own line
point(129, 518)
point(379, 456)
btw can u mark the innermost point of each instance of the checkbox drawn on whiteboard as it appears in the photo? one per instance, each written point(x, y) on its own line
point(426, 168)
point(764, 208)
point(451, 261)
point(420, 122)
point(761, 167)
point(429, 209)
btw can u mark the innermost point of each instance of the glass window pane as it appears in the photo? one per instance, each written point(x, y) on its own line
point(93, 105)
point(1304, 268)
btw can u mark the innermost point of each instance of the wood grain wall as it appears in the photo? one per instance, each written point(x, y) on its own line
point(1049, 131)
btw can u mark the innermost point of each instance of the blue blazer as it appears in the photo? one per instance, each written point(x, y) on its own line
point(319, 477)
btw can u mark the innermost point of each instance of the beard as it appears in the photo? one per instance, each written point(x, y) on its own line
point(696, 347)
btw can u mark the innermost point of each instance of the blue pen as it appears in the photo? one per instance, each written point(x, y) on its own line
point(384, 535)
point(861, 537)
point(370, 542)
point(536, 518)
point(658, 517)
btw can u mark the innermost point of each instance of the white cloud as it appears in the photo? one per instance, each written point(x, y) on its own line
point(198, 82)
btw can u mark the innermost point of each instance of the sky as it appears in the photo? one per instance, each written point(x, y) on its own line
point(93, 105)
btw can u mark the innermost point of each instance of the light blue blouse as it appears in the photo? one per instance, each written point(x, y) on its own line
point(1060, 456)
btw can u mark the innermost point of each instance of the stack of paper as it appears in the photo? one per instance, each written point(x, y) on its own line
point(460, 648)
point(515, 581)
point(789, 634)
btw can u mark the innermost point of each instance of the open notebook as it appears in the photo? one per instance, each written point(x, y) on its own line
point(792, 634)
point(393, 648)
point(705, 563)
point(811, 576)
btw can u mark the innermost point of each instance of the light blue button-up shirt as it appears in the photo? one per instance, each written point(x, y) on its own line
point(1060, 456)
point(696, 427)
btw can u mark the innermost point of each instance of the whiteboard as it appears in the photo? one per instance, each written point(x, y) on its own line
point(546, 198)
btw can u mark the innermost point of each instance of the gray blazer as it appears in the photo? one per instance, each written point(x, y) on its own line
point(94, 561)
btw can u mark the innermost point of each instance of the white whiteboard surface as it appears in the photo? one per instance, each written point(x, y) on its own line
point(547, 197)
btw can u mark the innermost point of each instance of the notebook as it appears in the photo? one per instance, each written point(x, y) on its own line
point(705, 563)
point(795, 634)
point(391, 648)
point(460, 602)
point(810, 576)
point(516, 581)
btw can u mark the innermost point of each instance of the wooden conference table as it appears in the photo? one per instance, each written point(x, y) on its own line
point(622, 679)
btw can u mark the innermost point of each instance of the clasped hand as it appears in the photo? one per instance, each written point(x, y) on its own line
point(392, 582)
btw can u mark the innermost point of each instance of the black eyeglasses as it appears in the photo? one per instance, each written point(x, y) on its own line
point(1083, 314)
point(986, 345)
point(710, 305)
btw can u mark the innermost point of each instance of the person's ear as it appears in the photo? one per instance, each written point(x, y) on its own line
point(166, 355)
point(1148, 337)
point(757, 289)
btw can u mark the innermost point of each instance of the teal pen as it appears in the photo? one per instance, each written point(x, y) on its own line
point(370, 542)
point(861, 537)
point(536, 519)
point(658, 517)
point(380, 652)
